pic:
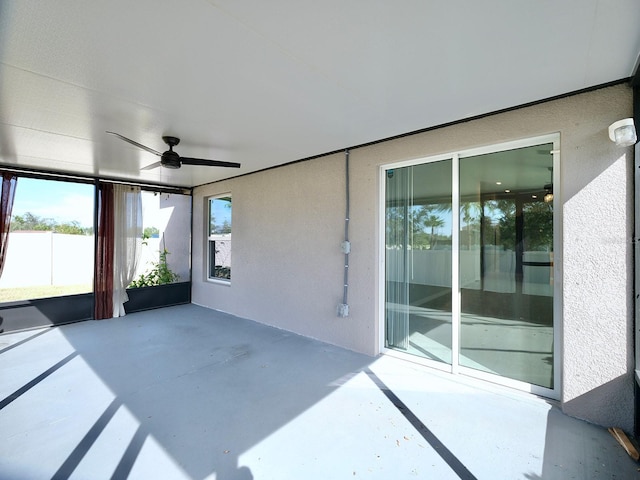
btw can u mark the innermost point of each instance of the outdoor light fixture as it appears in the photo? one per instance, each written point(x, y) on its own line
point(623, 132)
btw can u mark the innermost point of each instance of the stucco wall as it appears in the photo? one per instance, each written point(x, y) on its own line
point(287, 268)
point(288, 224)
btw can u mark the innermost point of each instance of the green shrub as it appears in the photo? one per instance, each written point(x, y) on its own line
point(159, 274)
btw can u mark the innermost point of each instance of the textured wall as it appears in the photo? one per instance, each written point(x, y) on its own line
point(287, 268)
point(598, 269)
point(288, 225)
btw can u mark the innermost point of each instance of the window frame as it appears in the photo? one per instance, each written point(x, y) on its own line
point(216, 237)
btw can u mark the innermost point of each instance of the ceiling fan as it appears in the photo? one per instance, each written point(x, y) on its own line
point(171, 159)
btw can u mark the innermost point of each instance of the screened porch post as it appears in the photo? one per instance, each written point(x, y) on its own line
point(9, 182)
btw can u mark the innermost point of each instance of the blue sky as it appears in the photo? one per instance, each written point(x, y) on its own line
point(62, 201)
point(65, 202)
point(222, 212)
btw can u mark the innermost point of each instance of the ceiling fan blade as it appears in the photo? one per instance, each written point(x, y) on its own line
point(208, 163)
point(133, 142)
point(152, 166)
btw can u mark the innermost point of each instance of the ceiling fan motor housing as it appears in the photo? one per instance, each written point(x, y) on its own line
point(170, 159)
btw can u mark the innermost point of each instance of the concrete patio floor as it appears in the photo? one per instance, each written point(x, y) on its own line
point(189, 393)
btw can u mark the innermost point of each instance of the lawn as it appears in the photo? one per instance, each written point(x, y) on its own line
point(44, 291)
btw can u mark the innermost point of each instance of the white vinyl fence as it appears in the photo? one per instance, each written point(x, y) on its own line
point(433, 267)
point(47, 258)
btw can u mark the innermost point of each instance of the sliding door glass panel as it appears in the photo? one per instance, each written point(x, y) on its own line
point(418, 233)
point(397, 258)
point(506, 264)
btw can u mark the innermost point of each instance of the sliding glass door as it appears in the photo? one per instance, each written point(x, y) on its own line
point(418, 259)
point(469, 256)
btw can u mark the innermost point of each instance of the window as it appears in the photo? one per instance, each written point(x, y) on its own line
point(51, 242)
point(219, 238)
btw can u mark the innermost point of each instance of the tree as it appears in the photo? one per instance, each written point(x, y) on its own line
point(72, 228)
point(426, 218)
point(29, 221)
point(470, 222)
point(420, 223)
point(537, 226)
point(151, 232)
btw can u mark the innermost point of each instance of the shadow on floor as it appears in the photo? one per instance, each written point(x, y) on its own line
point(204, 385)
point(189, 393)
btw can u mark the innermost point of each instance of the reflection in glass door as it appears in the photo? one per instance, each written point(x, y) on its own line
point(502, 254)
point(506, 264)
point(418, 258)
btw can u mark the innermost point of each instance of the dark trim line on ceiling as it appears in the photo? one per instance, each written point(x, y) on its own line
point(91, 179)
point(439, 126)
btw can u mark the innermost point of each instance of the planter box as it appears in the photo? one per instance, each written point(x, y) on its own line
point(45, 312)
point(146, 298)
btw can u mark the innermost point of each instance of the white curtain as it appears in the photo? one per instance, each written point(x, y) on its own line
point(127, 242)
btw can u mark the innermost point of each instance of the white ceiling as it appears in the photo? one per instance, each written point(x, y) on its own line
point(266, 83)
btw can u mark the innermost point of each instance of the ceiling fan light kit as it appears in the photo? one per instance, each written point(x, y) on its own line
point(170, 159)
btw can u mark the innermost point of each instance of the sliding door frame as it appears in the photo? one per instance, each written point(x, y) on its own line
point(455, 367)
